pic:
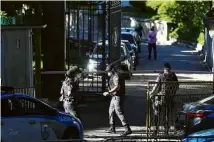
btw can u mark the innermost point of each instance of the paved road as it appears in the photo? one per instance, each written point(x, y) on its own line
point(181, 58)
point(95, 114)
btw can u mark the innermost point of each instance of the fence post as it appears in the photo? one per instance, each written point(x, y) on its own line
point(213, 81)
point(147, 110)
point(38, 64)
point(104, 45)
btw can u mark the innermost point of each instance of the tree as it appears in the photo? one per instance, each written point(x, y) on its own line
point(141, 6)
point(26, 12)
point(187, 15)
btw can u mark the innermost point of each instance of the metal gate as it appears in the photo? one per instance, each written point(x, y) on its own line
point(89, 25)
point(186, 93)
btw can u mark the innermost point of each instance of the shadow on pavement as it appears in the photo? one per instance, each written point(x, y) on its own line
point(95, 114)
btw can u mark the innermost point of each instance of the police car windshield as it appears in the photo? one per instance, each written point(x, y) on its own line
point(128, 37)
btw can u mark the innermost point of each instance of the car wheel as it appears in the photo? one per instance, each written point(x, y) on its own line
point(71, 133)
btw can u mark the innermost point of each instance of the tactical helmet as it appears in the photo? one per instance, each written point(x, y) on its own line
point(110, 68)
point(71, 71)
point(167, 66)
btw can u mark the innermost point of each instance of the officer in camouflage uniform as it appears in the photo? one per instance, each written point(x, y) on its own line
point(166, 87)
point(117, 92)
point(68, 91)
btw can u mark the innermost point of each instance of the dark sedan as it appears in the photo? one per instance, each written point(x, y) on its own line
point(193, 113)
point(202, 132)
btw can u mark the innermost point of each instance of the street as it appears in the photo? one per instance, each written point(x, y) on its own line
point(60, 61)
point(94, 115)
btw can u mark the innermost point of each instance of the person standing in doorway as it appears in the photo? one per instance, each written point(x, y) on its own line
point(152, 38)
point(117, 92)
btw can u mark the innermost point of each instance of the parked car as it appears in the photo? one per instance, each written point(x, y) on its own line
point(201, 136)
point(202, 132)
point(193, 113)
point(128, 63)
point(95, 58)
point(27, 119)
point(132, 52)
point(128, 29)
point(128, 36)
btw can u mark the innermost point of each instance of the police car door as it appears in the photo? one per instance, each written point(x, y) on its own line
point(38, 119)
point(13, 122)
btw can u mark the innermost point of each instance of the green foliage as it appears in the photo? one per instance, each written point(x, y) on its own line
point(3, 14)
point(188, 15)
point(200, 38)
point(154, 4)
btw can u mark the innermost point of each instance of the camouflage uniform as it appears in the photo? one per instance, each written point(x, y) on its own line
point(164, 103)
point(68, 91)
point(117, 100)
point(116, 104)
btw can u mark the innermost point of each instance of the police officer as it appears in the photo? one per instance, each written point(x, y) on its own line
point(68, 91)
point(162, 95)
point(116, 85)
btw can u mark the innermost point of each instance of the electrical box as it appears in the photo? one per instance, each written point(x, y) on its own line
point(16, 57)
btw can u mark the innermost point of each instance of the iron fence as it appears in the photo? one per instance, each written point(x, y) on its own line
point(24, 90)
point(29, 91)
point(153, 139)
point(163, 110)
point(88, 25)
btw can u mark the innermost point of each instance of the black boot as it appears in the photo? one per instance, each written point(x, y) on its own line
point(127, 131)
point(111, 129)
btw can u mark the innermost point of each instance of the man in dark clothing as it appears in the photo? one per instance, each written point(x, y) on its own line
point(139, 29)
point(68, 91)
point(117, 92)
point(152, 43)
point(137, 39)
point(162, 95)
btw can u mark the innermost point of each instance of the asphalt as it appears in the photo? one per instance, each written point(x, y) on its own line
point(180, 58)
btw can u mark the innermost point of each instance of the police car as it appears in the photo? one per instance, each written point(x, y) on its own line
point(27, 119)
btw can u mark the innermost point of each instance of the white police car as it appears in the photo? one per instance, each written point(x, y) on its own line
point(27, 119)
